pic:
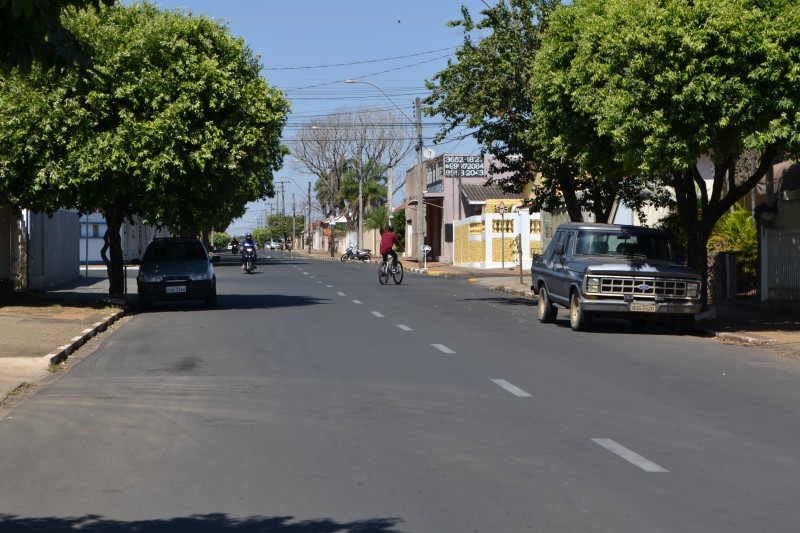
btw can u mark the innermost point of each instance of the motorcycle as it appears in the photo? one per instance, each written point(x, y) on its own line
point(234, 248)
point(353, 253)
point(249, 259)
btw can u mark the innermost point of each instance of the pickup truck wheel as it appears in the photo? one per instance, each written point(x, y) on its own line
point(547, 311)
point(578, 319)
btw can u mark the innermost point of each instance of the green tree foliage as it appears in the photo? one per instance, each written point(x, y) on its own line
point(671, 82)
point(524, 116)
point(179, 128)
point(736, 232)
point(31, 32)
point(281, 226)
point(261, 235)
point(221, 239)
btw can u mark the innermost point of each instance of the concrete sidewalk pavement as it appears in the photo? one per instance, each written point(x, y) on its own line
point(43, 328)
point(39, 329)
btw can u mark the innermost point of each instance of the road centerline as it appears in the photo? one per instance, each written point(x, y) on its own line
point(629, 455)
point(442, 348)
point(513, 389)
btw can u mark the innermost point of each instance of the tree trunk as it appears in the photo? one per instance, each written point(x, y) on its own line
point(115, 265)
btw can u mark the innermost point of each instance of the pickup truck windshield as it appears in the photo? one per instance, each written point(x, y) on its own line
point(623, 244)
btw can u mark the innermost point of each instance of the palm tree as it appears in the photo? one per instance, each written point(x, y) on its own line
point(373, 177)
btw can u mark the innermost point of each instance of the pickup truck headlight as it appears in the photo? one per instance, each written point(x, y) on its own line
point(593, 285)
point(692, 290)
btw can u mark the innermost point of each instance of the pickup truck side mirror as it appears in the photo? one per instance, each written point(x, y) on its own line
point(558, 249)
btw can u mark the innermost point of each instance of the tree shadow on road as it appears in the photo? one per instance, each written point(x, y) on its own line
point(217, 522)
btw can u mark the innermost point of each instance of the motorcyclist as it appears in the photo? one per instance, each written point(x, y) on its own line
point(248, 242)
point(235, 245)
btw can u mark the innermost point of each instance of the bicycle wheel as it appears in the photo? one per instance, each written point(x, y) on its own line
point(398, 276)
point(383, 274)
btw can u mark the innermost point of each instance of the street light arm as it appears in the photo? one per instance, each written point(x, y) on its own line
point(384, 94)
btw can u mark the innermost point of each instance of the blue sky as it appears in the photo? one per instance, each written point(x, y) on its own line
point(308, 47)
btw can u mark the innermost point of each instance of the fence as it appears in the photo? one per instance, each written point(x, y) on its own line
point(492, 240)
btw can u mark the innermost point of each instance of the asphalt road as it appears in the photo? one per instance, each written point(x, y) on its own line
point(315, 400)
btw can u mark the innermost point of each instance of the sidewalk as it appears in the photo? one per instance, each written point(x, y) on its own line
point(43, 328)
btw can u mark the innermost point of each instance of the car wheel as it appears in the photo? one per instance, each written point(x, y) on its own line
point(578, 318)
point(547, 311)
point(211, 301)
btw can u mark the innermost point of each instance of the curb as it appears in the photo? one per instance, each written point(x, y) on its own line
point(63, 352)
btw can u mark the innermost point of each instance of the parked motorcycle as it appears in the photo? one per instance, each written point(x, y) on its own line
point(353, 253)
point(249, 259)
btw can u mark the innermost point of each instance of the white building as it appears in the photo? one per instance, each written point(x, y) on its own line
point(134, 238)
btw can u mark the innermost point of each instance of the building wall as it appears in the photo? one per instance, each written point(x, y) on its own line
point(134, 236)
point(52, 248)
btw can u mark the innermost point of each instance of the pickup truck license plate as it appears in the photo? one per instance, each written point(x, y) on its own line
point(643, 308)
point(175, 289)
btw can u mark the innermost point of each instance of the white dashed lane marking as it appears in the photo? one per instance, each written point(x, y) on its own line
point(404, 327)
point(341, 294)
point(356, 302)
point(513, 389)
point(377, 314)
point(630, 456)
point(442, 348)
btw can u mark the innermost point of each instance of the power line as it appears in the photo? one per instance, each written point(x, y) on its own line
point(372, 74)
point(360, 62)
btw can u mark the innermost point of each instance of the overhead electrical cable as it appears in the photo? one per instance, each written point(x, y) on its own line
point(359, 62)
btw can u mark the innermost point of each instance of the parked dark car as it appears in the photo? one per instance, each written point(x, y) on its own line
point(176, 269)
point(614, 270)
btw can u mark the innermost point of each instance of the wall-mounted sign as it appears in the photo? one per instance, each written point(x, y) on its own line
point(463, 166)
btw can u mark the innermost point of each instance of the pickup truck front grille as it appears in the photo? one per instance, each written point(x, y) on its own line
point(668, 288)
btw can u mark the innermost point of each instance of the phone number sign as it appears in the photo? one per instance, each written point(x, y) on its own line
point(463, 166)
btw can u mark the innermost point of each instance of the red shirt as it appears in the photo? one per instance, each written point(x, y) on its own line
point(387, 241)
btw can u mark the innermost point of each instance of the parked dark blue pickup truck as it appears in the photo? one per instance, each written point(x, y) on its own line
point(614, 270)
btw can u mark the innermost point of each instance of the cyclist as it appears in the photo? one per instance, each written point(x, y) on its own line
point(388, 240)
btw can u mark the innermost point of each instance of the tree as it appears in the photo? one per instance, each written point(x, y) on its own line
point(31, 32)
point(188, 134)
point(671, 83)
point(372, 175)
point(285, 226)
point(348, 139)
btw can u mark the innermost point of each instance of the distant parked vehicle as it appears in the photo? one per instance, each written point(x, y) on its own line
point(176, 269)
point(353, 253)
point(277, 243)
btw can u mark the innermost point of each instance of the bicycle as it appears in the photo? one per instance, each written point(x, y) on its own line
point(384, 271)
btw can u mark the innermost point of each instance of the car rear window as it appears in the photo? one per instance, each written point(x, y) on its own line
point(175, 252)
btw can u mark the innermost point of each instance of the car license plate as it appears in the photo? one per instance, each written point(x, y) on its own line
point(643, 308)
point(175, 289)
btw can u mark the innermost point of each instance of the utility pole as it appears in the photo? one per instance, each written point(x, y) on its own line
point(389, 193)
point(420, 185)
point(308, 222)
point(360, 207)
point(294, 231)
